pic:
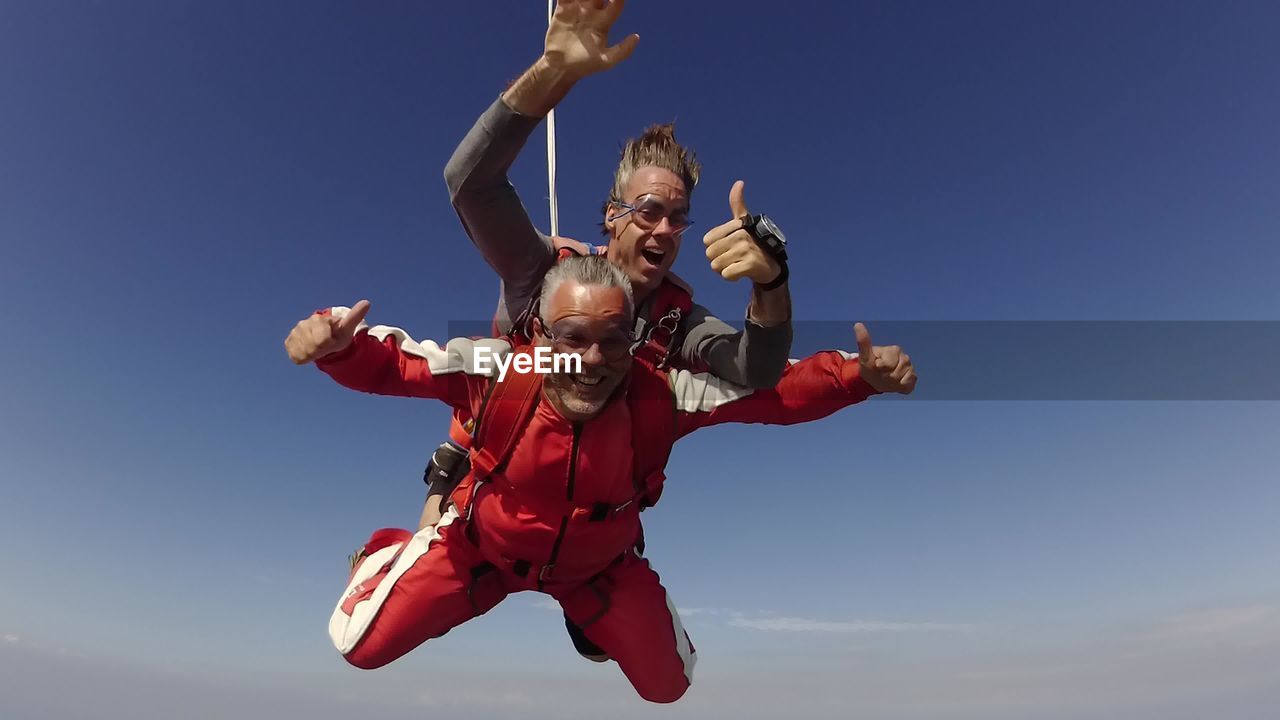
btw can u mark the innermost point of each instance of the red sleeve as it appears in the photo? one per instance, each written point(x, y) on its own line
point(386, 361)
point(809, 390)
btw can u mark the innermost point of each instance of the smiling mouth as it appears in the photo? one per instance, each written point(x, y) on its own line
point(653, 256)
point(586, 380)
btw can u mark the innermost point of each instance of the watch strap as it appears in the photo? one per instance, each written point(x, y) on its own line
point(777, 282)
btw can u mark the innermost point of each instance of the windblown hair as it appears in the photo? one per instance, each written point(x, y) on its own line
point(656, 147)
point(589, 270)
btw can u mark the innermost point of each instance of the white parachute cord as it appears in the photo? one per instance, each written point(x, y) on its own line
point(551, 149)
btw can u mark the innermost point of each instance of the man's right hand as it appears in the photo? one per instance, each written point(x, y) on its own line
point(578, 37)
point(577, 45)
point(321, 335)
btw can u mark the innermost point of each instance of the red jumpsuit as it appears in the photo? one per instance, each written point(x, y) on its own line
point(531, 526)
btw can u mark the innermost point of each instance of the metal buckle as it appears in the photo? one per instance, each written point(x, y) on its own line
point(545, 571)
point(471, 504)
point(669, 323)
point(674, 317)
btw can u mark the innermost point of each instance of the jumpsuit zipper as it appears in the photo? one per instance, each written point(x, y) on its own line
point(564, 522)
point(573, 461)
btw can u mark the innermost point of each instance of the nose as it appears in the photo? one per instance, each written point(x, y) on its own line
point(664, 227)
point(593, 357)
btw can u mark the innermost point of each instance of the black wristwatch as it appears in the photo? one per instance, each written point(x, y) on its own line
point(769, 237)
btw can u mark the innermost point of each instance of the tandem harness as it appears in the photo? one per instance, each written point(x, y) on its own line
point(507, 411)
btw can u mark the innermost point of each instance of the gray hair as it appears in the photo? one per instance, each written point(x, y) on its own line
point(589, 270)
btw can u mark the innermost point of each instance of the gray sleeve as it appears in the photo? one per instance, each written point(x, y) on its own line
point(490, 209)
point(754, 357)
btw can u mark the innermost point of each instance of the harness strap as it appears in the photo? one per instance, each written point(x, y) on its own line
point(503, 418)
point(653, 430)
point(508, 409)
point(573, 512)
point(671, 304)
point(652, 411)
point(522, 568)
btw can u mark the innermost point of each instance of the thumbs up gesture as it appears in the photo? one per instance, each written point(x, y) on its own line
point(321, 335)
point(733, 252)
point(886, 369)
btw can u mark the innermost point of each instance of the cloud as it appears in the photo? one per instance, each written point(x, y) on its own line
point(28, 646)
point(494, 699)
point(691, 612)
point(1183, 666)
point(808, 625)
point(773, 623)
point(1248, 625)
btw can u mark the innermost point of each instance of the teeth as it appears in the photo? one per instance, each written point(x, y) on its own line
point(585, 379)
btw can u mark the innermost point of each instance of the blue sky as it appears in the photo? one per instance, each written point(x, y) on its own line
point(183, 181)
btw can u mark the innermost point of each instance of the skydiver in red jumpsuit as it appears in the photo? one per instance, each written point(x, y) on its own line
point(554, 504)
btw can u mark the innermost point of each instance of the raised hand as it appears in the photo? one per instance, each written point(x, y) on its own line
point(731, 249)
point(886, 369)
point(321, 335)
point(578, 37)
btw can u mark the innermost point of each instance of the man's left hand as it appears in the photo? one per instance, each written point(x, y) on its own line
point(886, 369)
point(733, 252)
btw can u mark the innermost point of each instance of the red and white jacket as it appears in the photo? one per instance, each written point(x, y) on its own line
point(527, 512)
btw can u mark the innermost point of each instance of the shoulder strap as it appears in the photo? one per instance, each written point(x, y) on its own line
point(565, 247)
point(672, 303)
point(653, 429)
point(502, 419)
point(510, 405)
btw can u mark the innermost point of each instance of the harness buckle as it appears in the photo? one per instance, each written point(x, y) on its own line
point(471, 504)
point(671, 321)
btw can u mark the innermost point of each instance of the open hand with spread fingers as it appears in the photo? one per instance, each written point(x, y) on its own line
point(578, 37)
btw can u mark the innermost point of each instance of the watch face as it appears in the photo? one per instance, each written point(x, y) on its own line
point(768, 227)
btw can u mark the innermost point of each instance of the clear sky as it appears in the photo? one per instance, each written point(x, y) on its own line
point(180, 182)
